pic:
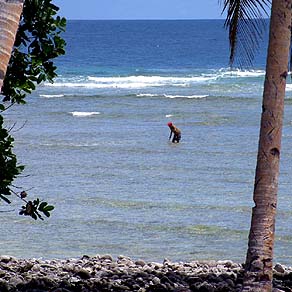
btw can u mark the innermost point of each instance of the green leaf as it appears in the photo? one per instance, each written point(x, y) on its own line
point(49, 208)
point(34, 216)
point(47, 213)
point(42, 206)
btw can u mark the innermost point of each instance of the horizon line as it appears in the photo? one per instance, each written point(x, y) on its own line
point(142, 19)
point(148, 19)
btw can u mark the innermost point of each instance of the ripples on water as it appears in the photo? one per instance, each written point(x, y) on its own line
point(97, 148)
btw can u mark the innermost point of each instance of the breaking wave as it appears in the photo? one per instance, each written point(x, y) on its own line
point(139, 82)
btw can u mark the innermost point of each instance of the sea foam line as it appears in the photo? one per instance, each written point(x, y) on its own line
point(84, 114)
point(240, 73)
point(147, 95)
point(51, 95)
point(129, 82)
point(149, 79)
point(185, 96)
point(172, 96)
point(132, 82)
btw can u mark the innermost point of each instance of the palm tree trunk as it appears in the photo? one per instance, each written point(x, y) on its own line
point(10, 12)
point(259, 260)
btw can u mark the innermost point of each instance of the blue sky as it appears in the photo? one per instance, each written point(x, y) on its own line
point(139, 9)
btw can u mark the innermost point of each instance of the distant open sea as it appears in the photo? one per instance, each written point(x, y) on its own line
point(95, 144)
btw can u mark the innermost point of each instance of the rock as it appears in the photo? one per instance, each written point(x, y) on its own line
point(122, 257)
point(228, 264)
point(60, 290)
point(156, 280)
point(2, 274)
point(85, 257)
point(103, 273)
point(5, 259)
point(40, 283)
point(4, 286)
point(206, 287)
point(230, 283)
point(74, 280)
point(123, 288)
point(26, 267)
point(140, 263)
point(279, 268)
point(83, 274)
point(15, 281)
point(193, 280)
point(106, 257)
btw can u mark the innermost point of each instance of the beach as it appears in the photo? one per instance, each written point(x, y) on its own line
point(103, 273)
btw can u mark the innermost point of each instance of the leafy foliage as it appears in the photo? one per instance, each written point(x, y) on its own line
point(8, 163)
point(38, 42)
point(33, 209)
point(246, 25)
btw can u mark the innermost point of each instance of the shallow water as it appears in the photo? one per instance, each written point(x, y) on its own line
point(95, 144)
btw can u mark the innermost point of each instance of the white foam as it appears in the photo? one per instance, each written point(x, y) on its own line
point(186, 96)
point(91, 85)
point(84, 114)
point(130, 82)
point(289, 87)
point(168, 116)
point(136, 82)
point(198, 96)
point(171, 96)
point(147, 79)
point(240, 73)
point(147, 95)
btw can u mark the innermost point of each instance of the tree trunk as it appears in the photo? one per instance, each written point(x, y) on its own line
point(10, 12)
point(259, 260)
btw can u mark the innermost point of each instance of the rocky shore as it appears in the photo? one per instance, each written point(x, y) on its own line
point(103, 273)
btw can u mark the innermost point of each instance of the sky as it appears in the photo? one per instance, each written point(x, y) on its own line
point(139, 9)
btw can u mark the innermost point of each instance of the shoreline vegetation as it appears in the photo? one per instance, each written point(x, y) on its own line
point(104, 273)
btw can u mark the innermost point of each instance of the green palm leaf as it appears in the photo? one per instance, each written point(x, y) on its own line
point(246, 24)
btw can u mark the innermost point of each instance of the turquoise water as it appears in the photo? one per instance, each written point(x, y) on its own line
point(95, 144)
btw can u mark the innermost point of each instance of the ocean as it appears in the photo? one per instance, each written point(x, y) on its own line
point(95, 144)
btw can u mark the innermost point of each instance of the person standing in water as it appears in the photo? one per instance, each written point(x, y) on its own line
point(175, 131)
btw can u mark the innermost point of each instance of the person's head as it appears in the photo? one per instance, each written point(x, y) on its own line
point(169, 124)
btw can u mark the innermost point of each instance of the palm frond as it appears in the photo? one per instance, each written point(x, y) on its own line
point(246, 24)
